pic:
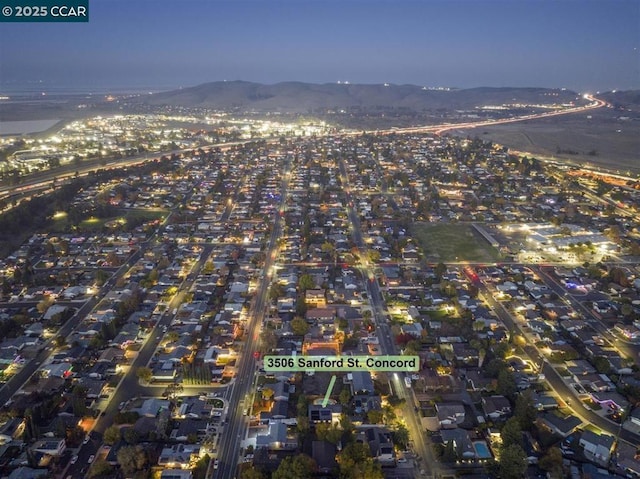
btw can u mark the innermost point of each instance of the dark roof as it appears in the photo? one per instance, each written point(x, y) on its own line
point(324, 453)
point(564, 425)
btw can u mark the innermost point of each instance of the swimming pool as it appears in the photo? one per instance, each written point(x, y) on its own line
point(482, 450)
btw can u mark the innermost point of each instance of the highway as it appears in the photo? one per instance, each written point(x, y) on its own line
point(43, 180)
point(440, 129)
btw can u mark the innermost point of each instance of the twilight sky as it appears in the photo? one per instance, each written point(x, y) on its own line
point(583, 45)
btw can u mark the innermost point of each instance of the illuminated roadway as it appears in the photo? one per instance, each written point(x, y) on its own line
point(421, 447)
point(43, 181)
point(557, 383)
point(241, 389)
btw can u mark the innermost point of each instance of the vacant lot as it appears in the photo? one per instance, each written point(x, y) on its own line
point(604, 138)
point(127, 222)
point(453, 242)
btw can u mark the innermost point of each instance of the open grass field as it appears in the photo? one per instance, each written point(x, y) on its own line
point(120, 223)
point(453, 242)
point(604, 138)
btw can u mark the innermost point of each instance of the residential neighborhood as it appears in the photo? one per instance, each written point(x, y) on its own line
point(134, 328)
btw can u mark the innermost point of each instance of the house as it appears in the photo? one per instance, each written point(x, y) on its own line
point(35, 330)
point(183, 429)
point(543, 402)
point(111, 355)
point(329, 414)
point(324, 453)
point(192, 406)
point(277, 438)
point(596, 382)
point(364, 403)
point(164, 371)
point(127, 336)
point(380, 444)
point(461, 442)
point(152, 406)
point(24, 472)
point(179, 456)
point(465, 354)
point(361, 382)
point(54, 310)
point(11, 430)
point(477, 381)
point(610, 399)
point(50, 446)
point(176, 474)
point(597, 447)
point(280, 391)
point(315, 298)
point(634, 417)
point(450, 415)
point(562, 426)
point(320, 315)
point(496, 407)
point(280, 410)
point(62, 370)
point(412, 329)
point(628, 459)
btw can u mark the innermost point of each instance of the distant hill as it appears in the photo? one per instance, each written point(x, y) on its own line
point(624, 99)
point(308, 97)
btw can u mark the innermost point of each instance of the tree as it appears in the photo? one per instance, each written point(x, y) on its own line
point(59, 341)
point(506, 383)
point(299, 326)
point(131, 458)
point(626, 309)
point(172, 336)
point(306, 282)
point(440, 270)
point(413, 348)
point(344, 397)
point(355, 462)
point(101, 277)
point(400, 436)
point(276, 291)
point(303, 426)
point(389, 413)
point(375, 416)
point(112, 435)
point(329, 249)
point(268, 340)
point(511, 432)
point(43, 305)
point(552, 462)
point(101, 468)
point(449, 454)
point(328, 432)
point(144, 374)
point(201, 467)
point(525, 411)
point(295, 467)
point(131, 436)
point(513, 462)
point(252, 473)
point(602, 364)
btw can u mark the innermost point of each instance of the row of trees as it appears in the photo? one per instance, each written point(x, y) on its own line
point(354, 462)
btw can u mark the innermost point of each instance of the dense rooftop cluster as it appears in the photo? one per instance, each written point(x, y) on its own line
point(135, 324)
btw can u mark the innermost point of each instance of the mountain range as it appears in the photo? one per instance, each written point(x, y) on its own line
point(309, 97)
